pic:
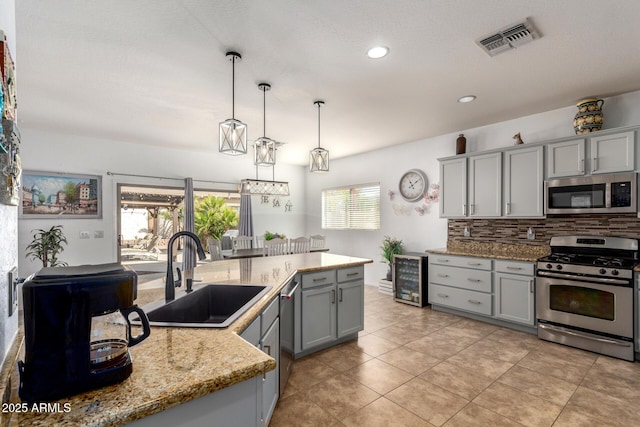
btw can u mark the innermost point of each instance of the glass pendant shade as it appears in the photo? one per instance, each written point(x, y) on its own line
point(319, 157)
point(319, 160)
point(233, 133)
point(233, 137)
point(265, 152)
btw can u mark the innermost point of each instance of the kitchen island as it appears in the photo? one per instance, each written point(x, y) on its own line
point(176, 365)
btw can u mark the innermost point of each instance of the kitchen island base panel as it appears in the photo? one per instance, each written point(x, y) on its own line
point(309, 351)
point(515, 326)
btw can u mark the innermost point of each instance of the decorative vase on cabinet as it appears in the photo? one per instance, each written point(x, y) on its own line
point(589, 117)
point(461, 144)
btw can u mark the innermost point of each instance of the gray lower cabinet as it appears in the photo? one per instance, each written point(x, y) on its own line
point(331, 307)
point(515, 291)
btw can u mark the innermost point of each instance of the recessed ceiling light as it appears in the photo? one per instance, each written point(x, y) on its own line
point(378, 52)
point(467, 98)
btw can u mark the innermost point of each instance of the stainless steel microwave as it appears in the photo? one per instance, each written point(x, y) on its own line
point(601, 194)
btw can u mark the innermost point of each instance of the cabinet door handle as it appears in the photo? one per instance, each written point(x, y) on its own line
point(267, 349)
point(464, 209)
point(474, 280)
point(340, 295)
point(475, 264)
point(510, 267)
point(508, 208)
point(531, 287)
point(581, 165)
point(443, 295)
point(333, 296)
point(321, 279)
point(473, 209)
point(594, 165)
point(442, 275)
point(472, 301)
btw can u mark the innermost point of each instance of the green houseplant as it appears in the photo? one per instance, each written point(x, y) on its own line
point(47, 245)
point(269, 235)
point(212, 218)
point(390, 247)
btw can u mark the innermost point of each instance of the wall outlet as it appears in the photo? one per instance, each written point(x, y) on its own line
point(98, 234)
point(531, 234)
point(85, 235)
point(467, 231)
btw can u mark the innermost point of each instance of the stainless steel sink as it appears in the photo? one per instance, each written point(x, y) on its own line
point(210, 306)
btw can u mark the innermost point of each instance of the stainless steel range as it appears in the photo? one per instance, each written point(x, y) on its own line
point(584, 294)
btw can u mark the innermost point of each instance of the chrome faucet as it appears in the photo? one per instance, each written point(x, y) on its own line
point(170, 292)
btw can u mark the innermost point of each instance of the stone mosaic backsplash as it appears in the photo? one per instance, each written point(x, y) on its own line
point(514, 231)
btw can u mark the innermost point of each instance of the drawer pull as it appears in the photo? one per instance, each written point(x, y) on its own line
point(472, 301)
point(340, 297)
point(442, 275)
point(531, 286)
point(475, 264)
point(474, 280)
point(443, 295)
point(443, 260)
point(321, 279)
point(352, 274)
point(510, 267)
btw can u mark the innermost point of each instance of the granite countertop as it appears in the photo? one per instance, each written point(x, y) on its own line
point(175, 365)
point(527, 253)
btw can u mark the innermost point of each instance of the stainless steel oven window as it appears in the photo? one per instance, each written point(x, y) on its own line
point(583, 301)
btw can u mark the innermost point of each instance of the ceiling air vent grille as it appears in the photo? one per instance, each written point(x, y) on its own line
point(508, 38)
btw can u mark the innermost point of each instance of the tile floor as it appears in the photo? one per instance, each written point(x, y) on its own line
point(419, 367)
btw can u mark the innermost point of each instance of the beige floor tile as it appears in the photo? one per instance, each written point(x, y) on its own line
point(518, 405)
point(428, 401)
point(581, 357)
point(473, 415)
point(384, 413)
point(309, 371)
point(507, 352)
point(408, 360)
point(491, 368)
point(373, 345)
point(379, 376)
point(436, 346)
point(562, 366)
point(546, 387)
point(399, 334)
point(343, 357)
point(373, 323)
point(460, 336)
point(340, 395)
point(466, 383)
point(505, 335)
point(298, 410)
point(613, 384)
point(574, 416)
point(477, 327)
point(606, 408)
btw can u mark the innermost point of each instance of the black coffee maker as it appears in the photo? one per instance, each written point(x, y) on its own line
point(77, 331)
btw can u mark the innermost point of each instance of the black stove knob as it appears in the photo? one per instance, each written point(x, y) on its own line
point(558, 267)
point(603, 271)
point(549, 266)
point(615, 272)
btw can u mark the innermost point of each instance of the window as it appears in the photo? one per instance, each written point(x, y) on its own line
point(356, 207)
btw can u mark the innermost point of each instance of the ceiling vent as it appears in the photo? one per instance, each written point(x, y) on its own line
point(508, 38)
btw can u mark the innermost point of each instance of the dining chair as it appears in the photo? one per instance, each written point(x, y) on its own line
point(276, 247)
point(242, 242)
point(299, 245)
point(259, 243)
point(215, 249)
point(317, 241)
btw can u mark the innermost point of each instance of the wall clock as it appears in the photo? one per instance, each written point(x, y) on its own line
point(413, 185)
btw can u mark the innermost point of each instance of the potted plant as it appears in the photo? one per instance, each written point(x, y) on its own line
point(390, 247)
point(46, 245)
point(269, 235)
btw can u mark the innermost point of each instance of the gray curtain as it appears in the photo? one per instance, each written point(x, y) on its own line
point(189, 253)
point(245, 224)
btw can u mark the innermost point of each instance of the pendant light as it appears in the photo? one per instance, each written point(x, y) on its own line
point(319, 157)
point(232, 132)
point(264, 148)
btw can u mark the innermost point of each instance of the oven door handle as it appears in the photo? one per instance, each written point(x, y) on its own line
point(602, 280)
point(589, 337)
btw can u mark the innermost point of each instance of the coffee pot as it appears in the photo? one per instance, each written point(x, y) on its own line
point(77, 330)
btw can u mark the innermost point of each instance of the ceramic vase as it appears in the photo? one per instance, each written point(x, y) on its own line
point(461, 144)
point(589, 117)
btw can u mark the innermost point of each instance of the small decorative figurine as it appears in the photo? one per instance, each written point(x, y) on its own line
point(518, 139)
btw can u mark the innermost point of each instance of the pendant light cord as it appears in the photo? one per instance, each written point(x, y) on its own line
point(233, 87)
point(319, 124)
point(264, 111)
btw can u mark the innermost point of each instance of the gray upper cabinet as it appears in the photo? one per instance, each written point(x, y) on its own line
point(566, 158)
point(485, 186)
point(453, 188)
point(524, 182)
point(612, 153)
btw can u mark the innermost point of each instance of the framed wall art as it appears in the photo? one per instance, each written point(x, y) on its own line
point(60, 195)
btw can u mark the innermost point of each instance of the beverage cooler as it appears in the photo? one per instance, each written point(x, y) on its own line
point(410, 278)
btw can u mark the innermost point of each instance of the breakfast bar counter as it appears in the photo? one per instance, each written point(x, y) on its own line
point(176, 365)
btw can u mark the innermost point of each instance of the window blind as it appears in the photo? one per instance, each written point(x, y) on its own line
point(356, 207)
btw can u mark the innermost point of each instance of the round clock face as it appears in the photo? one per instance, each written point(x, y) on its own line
point(413, 185)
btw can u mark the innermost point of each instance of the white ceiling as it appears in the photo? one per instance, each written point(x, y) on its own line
point(154, 71)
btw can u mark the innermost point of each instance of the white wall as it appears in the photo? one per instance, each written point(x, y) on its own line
point(8, 214)
point(387, 166)
point(46, 151)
